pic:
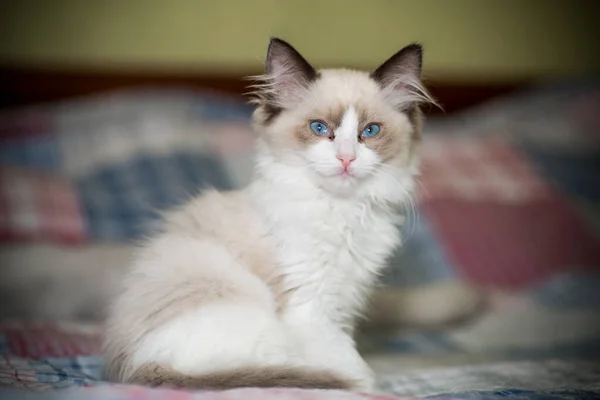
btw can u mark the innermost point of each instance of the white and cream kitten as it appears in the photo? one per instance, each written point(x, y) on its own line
point(263, 286)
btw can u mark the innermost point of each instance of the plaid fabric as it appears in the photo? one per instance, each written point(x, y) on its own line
point(552, 379)
point(122, 201)
point(511, 251)
point(508, 200)
point(27, 362)
point(477, 170)
point(37, 206)
point(492, 208)
point(121, 158)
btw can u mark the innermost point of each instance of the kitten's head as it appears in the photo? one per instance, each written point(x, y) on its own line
point(347, 131)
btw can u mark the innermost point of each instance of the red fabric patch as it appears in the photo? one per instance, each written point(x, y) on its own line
point(36, 206)
point(229, 139)
point(477, 170)
point(28, 123)
point(47, 340)
point(513, 245)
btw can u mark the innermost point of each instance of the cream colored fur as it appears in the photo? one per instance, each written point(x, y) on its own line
point(278, 273)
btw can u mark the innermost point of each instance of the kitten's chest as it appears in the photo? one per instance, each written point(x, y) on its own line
point(336, 235)
point(350, 238)
point(331, 254)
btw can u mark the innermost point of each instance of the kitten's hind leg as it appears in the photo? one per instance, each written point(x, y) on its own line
point(189, 304)
point(225, 346)
point(217, 337)
point(209, 324)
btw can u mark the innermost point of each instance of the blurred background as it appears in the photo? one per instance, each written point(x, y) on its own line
point(480, 44)
point(465, 39)
point(112, 110)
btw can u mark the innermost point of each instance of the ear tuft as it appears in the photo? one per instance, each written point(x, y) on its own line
point(282, 58)
point(407, 61)
point(286, 79)
point(400, 77)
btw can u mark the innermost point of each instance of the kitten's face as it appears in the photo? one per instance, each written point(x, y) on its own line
point(346, 130)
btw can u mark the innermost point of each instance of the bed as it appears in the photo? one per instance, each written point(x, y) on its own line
point(509, 202)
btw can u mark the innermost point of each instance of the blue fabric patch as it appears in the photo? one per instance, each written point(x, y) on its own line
point(575, 174)
point(440, 343)
point(41, 153)
point(76, 370)
point(221, 110)
point(427, 342)
point(583, 348)
point(123, 201)
point(421, 343)
point(573, 291)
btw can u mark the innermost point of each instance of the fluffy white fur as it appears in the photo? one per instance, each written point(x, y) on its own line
point(277, 274)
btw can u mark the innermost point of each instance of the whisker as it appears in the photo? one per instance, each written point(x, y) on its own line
point(410, 204)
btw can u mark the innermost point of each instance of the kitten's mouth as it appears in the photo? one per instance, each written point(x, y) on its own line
point(346, 176)
point(343, 176)
point(342, 173)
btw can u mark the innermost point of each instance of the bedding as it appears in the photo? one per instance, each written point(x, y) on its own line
point(47, 359)
point(508, 201)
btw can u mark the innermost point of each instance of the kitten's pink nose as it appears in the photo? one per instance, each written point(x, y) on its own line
point(346, 160)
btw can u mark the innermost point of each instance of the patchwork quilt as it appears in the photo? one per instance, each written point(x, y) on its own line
point(60, 361)
point(508, 200)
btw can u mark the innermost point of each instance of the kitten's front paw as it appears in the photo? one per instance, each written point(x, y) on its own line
point(366, 383)
point(359, 373)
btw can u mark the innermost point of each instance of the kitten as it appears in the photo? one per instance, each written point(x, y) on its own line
point(263, 286)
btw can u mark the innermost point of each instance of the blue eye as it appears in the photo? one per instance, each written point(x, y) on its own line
point(319, 128)
point(370, 130)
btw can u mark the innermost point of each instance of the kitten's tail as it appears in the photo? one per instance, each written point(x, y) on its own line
point(153, 374)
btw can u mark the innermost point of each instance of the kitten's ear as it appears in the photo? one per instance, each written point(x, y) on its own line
point(287, 74)
point(405, 63)
point(400, 77)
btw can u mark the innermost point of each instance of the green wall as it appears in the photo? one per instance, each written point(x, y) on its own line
point(464, 39)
